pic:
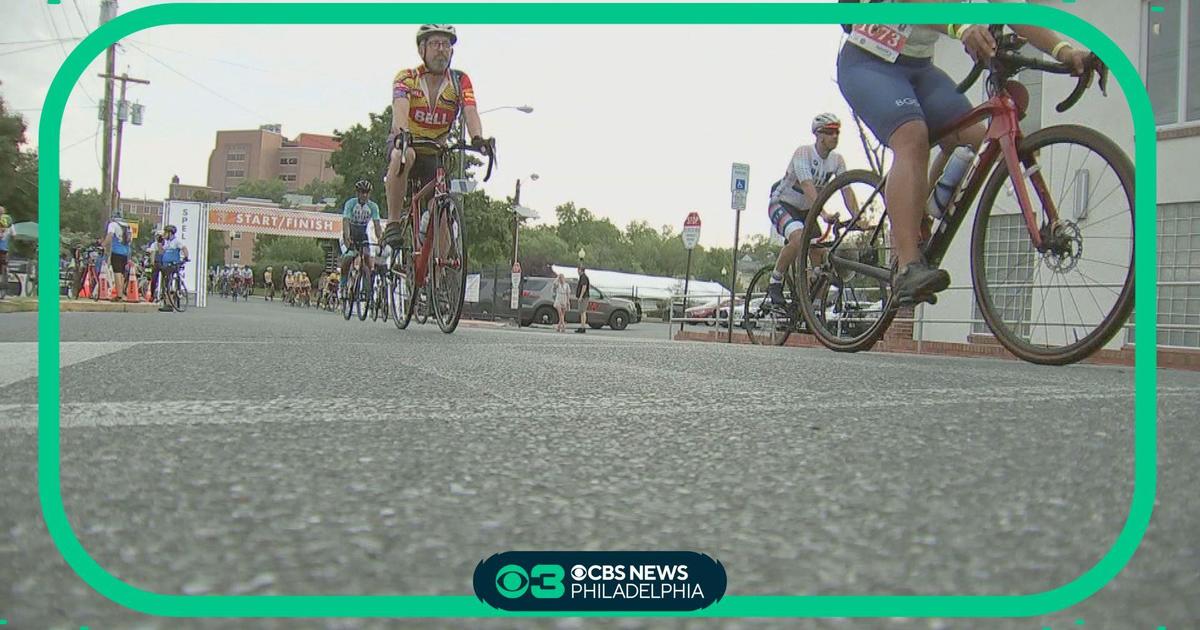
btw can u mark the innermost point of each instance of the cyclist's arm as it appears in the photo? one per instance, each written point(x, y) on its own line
point(474, 124)
point(375, 220)
point(400, 89)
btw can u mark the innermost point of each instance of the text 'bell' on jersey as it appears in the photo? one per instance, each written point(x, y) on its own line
point(430, 115)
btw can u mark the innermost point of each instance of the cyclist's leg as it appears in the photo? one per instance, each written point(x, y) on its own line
point(790, 228)
point(399, 167)
point(942, 104)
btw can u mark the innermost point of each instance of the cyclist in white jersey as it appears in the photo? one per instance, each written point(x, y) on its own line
point(810, 169)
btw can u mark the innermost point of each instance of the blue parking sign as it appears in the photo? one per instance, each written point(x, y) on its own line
point(739, 184)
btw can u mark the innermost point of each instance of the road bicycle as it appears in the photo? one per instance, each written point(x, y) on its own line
point(842, 310)
point(175, 293)
point(1052, 270)
point(432, 253)
point(359, 288)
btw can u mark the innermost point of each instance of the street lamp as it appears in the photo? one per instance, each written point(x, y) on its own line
point(520, 212)
point(525, 109)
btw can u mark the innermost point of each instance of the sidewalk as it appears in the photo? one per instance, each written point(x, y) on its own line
point(29, 304)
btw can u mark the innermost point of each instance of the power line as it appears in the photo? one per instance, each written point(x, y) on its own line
point(80, 141)
point(197, 83)
point(39, 41)
point(79, 12)
point(21, 50)
point(184, 52)
point(54, 26)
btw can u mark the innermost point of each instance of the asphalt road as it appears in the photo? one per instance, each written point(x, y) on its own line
point(260, 449)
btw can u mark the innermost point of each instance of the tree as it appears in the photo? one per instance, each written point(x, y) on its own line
point(294, 248)
point(81, 210)
point(362, 155)
point(541, 247)
point(216, 247)
point(18, 168)
point(272, 189)
point(320, 190)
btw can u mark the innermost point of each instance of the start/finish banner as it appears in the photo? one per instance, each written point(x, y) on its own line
point(274, 221)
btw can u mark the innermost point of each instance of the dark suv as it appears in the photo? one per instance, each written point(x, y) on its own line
point(537, 306)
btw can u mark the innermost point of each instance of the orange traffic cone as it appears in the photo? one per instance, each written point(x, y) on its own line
point(85, 291)
point(131, 295)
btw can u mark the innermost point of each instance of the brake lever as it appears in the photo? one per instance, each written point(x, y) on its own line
point(1102, 72)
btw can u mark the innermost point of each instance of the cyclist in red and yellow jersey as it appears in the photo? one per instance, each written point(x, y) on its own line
point(425, 102)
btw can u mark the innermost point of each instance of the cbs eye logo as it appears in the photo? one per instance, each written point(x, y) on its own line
point(543, 581)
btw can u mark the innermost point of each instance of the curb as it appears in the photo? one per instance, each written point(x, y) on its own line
point(79, 306)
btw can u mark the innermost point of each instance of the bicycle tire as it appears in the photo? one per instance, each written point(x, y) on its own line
point(448, 284)
point(347, 299)
point(376, 297)
point(181, 297)
point(399, 287)
point(1032, 148)
point(828, 276)
point(362, 294)
point(770, 325)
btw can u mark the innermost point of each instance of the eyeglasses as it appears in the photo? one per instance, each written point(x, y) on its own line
point(439, 44)
point(830, 132)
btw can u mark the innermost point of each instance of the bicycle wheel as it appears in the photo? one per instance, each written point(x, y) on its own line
point(181, 297)
point(376, 298)
point(362, 294)
point(1062, 303)
point(347, 297)
point(400, 281)
point(448, 286)
point(849, 287)
point(765, 323)
point(381, 295)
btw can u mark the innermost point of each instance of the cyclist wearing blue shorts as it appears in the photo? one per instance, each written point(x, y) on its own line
point(810, 169)
point(887, 75)
point(357, 214)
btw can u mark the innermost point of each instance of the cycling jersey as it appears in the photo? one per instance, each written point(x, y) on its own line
point(886, 41)
point(172, 251)
point(807, 165)
point(360, 214)
point(429, 115)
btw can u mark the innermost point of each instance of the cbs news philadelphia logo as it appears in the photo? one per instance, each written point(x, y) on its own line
point(599, 580)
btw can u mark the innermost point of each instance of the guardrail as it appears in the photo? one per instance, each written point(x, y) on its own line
point(919, 320)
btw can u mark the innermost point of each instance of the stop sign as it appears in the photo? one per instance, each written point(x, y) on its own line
point(691, 230)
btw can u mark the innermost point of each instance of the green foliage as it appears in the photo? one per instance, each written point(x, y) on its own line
point(18, 168)
point(294, 248)
point(363, 155)
point(272, 189)
point(81, 210)
point(320, 190)
point(216, 247)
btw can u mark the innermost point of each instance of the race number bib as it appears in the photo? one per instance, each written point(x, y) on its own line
point(882, 40)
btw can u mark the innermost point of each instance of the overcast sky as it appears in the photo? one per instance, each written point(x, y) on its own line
point(632, 122)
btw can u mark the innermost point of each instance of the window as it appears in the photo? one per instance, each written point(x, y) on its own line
point(237, 173)
point(288, 177)
point(1178, 262)
point(287, 160)
point(237, 255)
point(235, 157)
point(235, 236)
point(1009, 260)
point(1173, 60)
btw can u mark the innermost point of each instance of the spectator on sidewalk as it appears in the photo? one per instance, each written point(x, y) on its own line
point(562, 301)
point(6, 232)
point(117, 238)
point(583, 294)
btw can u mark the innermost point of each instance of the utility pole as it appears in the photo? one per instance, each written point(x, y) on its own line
point(108, 10)
point(123, 110)
point(516, 220)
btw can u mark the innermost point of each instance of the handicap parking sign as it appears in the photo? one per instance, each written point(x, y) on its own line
point(739, 184)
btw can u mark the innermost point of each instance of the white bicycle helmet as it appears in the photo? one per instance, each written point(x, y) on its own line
point(436, 29)
point(824, 121)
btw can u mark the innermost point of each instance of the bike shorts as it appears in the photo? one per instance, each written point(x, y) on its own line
point(887, 95)
point(786, 218)
point(118, 262)
point(359, 240)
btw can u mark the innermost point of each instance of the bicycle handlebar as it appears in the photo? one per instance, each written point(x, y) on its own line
point(489, 149)
point(1009, 62)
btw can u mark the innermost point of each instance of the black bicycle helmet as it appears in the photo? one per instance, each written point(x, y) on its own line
point(362, 186)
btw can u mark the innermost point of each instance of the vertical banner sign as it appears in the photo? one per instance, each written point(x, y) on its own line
point(739, 183)
point(516, 284)
point(691, 236)
point(185, 216)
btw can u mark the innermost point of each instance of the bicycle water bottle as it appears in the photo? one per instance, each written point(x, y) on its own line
point(952, 178)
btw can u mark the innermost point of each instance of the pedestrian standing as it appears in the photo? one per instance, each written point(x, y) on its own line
point(117, 238)
point(583, 295)
point(562, 301)
point(6, 232)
